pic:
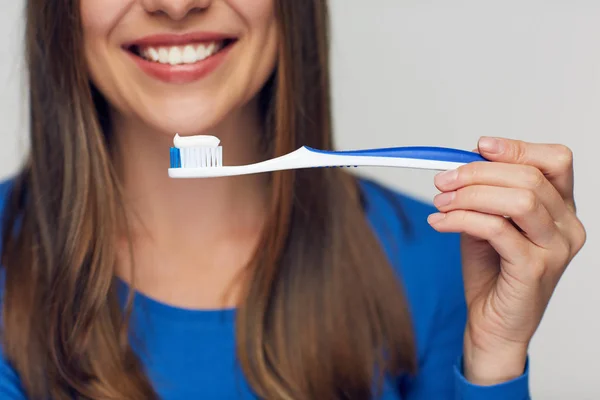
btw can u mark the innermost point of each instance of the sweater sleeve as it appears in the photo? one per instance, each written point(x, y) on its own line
point(517, 389)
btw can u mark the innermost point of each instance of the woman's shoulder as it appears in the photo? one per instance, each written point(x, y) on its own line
point(400, 222)
point(10, 385)
point(5, 186)
point(428, 263)
point(415, 249)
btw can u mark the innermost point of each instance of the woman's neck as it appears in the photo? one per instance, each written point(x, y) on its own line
point(188, 230)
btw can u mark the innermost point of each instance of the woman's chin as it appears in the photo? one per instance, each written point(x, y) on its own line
point(183, 123)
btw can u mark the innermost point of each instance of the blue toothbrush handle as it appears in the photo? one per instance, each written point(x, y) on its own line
point(418, 152)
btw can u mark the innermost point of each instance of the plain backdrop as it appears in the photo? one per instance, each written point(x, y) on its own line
point(439, 72)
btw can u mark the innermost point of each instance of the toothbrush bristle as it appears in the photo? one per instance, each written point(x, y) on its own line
point(175, 157)
point(197, 157)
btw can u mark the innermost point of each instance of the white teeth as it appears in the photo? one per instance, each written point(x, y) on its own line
point(189, 55)
point(201, 52)
point(163, 55)
point(176, 55)
point(153, 54)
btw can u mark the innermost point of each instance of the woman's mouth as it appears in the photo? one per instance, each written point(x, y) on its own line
point(180, 54)
point(180, 59)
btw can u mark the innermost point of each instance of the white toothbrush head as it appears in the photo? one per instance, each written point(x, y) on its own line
point(198, 151)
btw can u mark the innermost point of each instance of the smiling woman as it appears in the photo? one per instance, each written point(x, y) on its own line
point(120, 283)
point(265, 252)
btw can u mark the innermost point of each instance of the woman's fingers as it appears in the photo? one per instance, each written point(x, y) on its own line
point(555, 161)
point(521, 205)
point(507, 176)
point(510, 245)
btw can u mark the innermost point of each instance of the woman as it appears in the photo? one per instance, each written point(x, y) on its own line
point(119, 283)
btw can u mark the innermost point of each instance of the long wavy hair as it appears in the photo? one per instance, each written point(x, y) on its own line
point(323, 315)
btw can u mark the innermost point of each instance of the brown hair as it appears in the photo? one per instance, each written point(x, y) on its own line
point(323, 314)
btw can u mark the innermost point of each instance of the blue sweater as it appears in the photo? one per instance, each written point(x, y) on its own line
point(190, 354)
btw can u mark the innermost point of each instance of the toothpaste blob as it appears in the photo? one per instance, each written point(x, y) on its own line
point(182, 142)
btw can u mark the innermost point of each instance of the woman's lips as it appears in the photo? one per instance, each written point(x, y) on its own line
point(180, 58)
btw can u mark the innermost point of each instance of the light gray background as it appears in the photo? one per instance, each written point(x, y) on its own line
point(438, 72)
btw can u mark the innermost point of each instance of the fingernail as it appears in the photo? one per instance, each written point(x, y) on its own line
point(446, 177)
point(443, 199)
point(435, 218)
point(490, 145)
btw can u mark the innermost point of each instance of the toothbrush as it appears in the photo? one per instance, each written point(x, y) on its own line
point(202, 157)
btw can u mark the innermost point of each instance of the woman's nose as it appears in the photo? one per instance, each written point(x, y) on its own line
point(175, 9)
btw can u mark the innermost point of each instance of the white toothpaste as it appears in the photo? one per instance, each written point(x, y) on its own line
point(181, 142)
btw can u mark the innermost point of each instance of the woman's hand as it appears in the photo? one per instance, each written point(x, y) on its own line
point(519, 233)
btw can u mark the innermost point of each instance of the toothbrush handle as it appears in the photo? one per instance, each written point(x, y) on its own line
point(420, 153)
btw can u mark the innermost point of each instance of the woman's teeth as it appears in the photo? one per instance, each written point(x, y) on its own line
point(176, 55)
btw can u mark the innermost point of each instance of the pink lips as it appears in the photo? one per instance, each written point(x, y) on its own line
point(180, 73)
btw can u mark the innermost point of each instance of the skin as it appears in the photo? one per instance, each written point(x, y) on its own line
point(511, 266)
